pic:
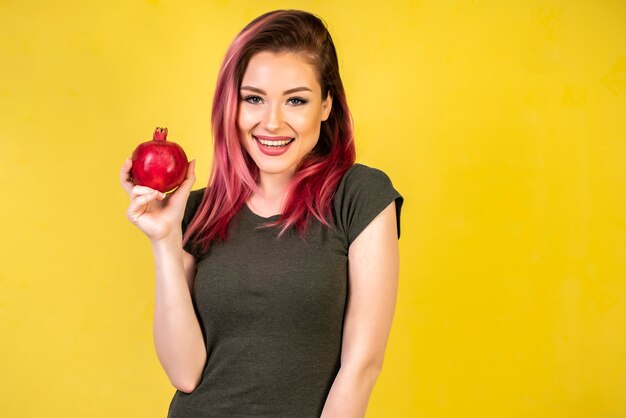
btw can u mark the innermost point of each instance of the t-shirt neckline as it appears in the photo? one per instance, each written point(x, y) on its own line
point(259, 217)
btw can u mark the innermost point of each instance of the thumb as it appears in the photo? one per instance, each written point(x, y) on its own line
point(185, 187)
point(191, 176)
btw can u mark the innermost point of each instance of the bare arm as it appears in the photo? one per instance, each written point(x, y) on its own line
point(373, 275)
point(178, 337)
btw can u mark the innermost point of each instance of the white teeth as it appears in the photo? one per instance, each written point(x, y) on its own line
point(273, 143)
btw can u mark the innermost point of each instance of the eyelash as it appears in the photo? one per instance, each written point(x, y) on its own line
point(249, 98)
point(299, 99)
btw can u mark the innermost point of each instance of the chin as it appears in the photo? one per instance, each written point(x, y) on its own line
point(277, 168)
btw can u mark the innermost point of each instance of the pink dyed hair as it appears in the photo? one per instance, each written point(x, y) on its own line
point(234, 174)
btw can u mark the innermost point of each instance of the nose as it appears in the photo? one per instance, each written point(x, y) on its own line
point(273, 117)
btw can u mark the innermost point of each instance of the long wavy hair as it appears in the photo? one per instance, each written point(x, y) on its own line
point(234, 174)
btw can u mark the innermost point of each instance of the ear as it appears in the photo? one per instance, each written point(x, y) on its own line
point(326, 106)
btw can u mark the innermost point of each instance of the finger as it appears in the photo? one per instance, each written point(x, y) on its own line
point(185, 186)
point(143, 190)
point(125, 180)
point(191, 170)
point(191, 175)
point(139, 205)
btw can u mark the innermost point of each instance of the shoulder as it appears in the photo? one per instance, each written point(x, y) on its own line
point(193, 202)
point(361, 177)
point(362, 171)
point(196, 196)
point(362, 194)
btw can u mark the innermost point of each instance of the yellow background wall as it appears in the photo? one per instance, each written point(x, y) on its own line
point(499, 122)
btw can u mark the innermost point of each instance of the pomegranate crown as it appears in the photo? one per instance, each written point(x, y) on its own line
point(160, 134)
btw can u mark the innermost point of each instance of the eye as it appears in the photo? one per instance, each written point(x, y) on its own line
point(253, 99)
point(296, 101)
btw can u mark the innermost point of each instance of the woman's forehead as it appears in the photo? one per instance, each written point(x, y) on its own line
point(278, 72)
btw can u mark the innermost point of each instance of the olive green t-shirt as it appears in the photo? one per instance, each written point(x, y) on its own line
point(271, 310)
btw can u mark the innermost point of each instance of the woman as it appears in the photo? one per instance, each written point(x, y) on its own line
point(279, 300)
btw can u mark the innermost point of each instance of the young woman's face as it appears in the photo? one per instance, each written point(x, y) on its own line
point(280, 100)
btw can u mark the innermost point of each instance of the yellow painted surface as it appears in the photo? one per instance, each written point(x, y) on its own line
point(501, 122)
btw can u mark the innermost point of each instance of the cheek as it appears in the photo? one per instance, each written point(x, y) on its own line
point(242, 130)
point(241, 121)
point(245, 119)
point(308, 123)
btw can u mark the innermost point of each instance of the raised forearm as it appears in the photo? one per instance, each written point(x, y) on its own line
point(350, 392)
point(177, 334)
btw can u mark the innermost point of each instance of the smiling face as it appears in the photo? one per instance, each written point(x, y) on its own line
point(280, 101)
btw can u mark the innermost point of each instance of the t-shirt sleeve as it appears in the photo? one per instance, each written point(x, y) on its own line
point(365, 193)
point(195, 198)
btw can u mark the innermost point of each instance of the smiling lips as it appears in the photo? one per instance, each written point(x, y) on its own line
point(273, 138)
point(273, 141)
point(282, 144)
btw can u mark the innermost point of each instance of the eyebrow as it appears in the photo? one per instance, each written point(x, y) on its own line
point(254, 89)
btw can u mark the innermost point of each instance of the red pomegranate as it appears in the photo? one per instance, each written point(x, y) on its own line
point(159, 164)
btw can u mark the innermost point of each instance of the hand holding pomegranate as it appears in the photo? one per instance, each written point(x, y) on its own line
point(156, 214)
point(159, 164)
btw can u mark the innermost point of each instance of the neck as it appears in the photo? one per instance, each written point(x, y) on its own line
point(272, 187)
point(269, 198)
